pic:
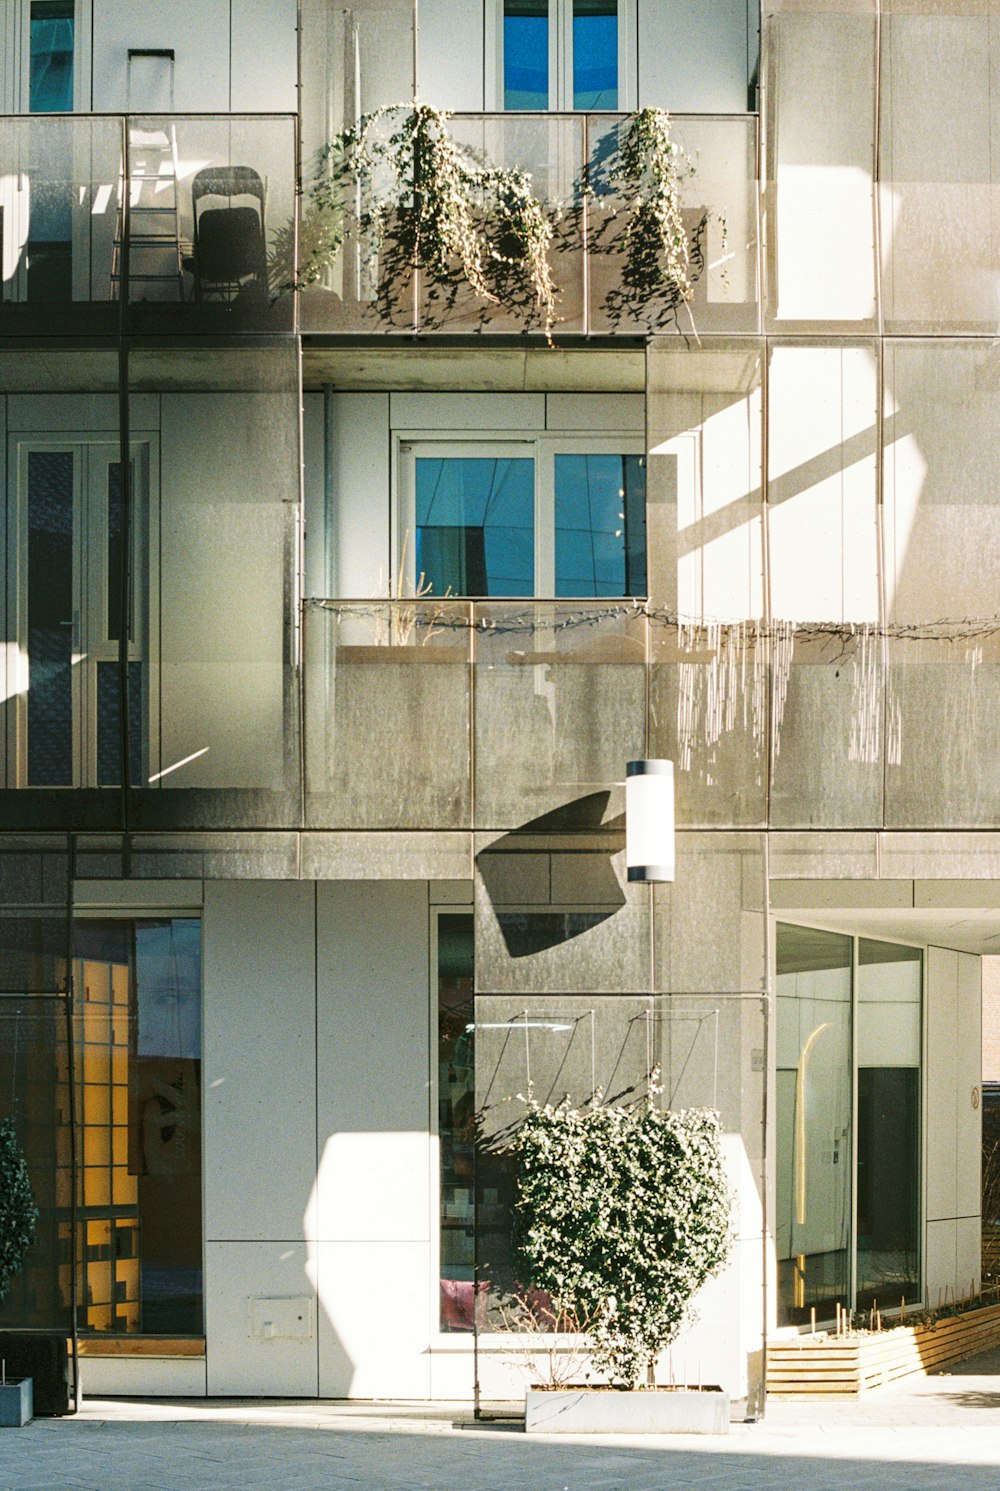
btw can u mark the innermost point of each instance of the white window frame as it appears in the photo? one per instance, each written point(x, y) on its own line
point(93, 453)
point(541, 447)
point(561, 58)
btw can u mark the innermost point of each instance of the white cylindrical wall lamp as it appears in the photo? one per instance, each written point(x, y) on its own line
point(649, 820)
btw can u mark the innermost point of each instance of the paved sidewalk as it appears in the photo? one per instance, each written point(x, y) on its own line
point(938, 1434)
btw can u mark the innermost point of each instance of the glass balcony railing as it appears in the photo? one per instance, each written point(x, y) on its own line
point(358, 232)
point(202, 240)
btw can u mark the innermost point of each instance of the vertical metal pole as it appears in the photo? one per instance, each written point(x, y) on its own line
point(766, 1013)
point(74, 1224)
point(125, 493)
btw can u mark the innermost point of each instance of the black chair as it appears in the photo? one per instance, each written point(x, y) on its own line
point(230, 253)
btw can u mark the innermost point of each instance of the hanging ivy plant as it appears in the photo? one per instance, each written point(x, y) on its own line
point(643, 178)
point(623, 1213)
point(18, 1212)
point(418, 200)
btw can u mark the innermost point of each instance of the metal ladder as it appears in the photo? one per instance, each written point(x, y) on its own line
point(156, 253)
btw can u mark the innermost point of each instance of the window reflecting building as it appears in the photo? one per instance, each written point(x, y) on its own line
point(340, 588)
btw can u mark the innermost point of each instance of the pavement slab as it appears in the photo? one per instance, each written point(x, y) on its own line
point(940, 1433)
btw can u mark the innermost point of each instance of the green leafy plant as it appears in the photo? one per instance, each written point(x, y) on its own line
point(18, 1212)
point(419, 200)
point(623, 1213)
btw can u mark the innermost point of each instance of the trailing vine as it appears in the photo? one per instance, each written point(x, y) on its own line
point(418, 200)
point(663, 257)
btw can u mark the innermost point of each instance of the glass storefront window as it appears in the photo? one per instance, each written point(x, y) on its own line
point(137, 990)
point(888, 1170)
point(814, 1122)
point(456, 1119)
point(848, 1123)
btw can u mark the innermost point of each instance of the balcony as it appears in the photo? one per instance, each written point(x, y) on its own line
point(200, 242)
point(357, 266)
point(402, 698)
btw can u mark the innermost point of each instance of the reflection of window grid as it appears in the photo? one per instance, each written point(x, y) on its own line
point(108, 1193)
point(552, 28)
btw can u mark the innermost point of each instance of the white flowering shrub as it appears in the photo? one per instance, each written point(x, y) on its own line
point(622, 1214)
point(18, 1212)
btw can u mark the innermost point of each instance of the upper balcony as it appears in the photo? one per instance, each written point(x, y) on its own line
point(546, 223)
point(540, 166)
point(167, 224)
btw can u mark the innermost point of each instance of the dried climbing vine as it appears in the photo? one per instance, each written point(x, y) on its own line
point(643, 179)
point(417, 199)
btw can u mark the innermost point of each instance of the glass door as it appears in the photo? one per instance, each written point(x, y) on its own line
point(71, 611)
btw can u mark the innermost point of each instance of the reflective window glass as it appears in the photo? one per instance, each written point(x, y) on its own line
point(600, 525)
point(137, 991)
point(456, 1119)
point(888, 1176)
point(475, 525)
point(51, 78)
point(595, 54)
point(526, 54)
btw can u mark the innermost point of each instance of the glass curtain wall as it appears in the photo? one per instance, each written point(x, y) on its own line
point(848, 1127)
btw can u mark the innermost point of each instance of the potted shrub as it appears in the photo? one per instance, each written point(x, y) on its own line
point(623, 1213)
point(18, 1219)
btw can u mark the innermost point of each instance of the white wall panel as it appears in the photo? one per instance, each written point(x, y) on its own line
point(588, 412)
point(142, 1377)
point(362, 562)
point(373, 1192)
point(198, 32)
point(242, 1365)
point(450, 60)
point(693, 56)
point(374, 1319)
point(942, 1017)
point(264, 57)
point(467, 411)
point(314, 494)
point(939, 1264)
point(259, 1059)
point(968, 1255)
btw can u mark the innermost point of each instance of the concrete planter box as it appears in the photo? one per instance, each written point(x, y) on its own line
point(828, 1366)
point(15, 1403)
point(649, 1411)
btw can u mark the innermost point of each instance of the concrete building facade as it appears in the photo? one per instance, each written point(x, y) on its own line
point(328, 643)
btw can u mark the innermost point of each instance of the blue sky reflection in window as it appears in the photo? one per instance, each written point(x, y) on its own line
point(51, 81)
point(600, 525)
point(526, 54)
point(475, 519)
point(595, 54)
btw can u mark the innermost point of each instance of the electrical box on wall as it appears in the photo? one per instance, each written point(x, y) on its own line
point(281, 1319)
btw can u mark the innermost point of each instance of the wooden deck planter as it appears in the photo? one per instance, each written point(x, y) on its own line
point(828, 1366)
